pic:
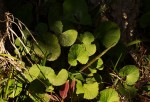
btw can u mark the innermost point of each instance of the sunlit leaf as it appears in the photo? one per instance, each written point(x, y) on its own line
point(100, 64)
point(130, 73)
point(109, 95)
point(90, 90)
point(90, 48)
point(77, 53)
point(58, 79)
point(87, 38)
point(15, 88)
point(32, 73)
point(108, 33)
point(68, 37)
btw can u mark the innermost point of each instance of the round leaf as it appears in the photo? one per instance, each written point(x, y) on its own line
point(131, 73)
point(87, 38)
point(90, 48)
point(77, 53)
point(68, 37)
point(58, 80)
point(108, 33)
point(109, 95)
point(32, 73)
point(90, 90)
point(50, 49)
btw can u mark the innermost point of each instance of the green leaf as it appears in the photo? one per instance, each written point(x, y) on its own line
point(109, 95)
point(90, 90)
point(59, 79)
point(44, 71)
point(15, 88)
point(41, 28)
point(57, 27)
point(128, 91)
point(76, 11)
point(36, 86)
point(49, 49)
point(32, 73)
point(130, 73)
point(90, 48)
point(100, 64)
point(108, 33)
point(68, 37)
point(79, 87)
point(77, 53)
point(87, 38)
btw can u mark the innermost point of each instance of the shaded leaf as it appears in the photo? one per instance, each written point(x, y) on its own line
point(36, 86)
point(108, 33)
point(41, 28)
point(57, 27)
point(76, 11)
point(49, 49)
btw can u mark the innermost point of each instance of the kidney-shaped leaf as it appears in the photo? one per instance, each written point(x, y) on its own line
point(50, 48)
point(77, 53)
point(32, 73)
point(58, 79)
point(131, 74)
point(89, 90)
point(109, 95)
point(109, 33)
point(68, 37)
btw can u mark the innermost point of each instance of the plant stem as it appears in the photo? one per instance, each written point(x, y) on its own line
point(96, 58)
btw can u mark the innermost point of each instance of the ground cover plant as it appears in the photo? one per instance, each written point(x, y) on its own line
point(73, 50)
